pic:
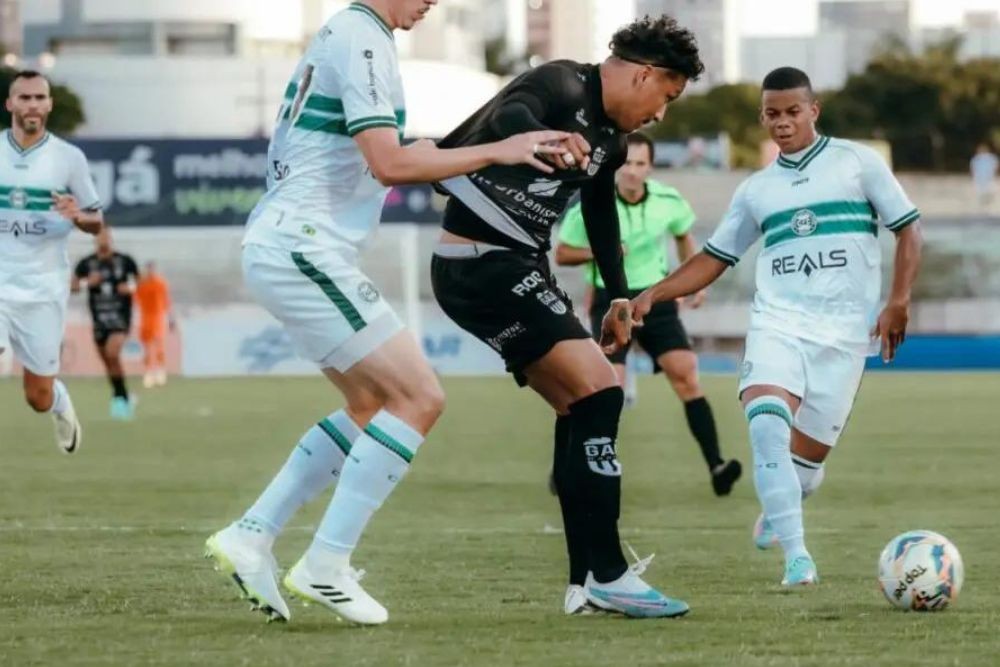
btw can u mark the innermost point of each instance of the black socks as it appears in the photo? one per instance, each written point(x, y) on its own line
point(702, 424)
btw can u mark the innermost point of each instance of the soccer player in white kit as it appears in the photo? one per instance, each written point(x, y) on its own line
point(815, 317)
point(43, 183)
point(335, 151)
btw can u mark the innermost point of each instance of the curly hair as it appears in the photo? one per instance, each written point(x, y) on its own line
point(660, 42)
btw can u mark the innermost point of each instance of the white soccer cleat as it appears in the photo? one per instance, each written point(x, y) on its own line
point(148, 380)
point(338, 591)
point(576, 602)
point(69, 433)
point(252, 568)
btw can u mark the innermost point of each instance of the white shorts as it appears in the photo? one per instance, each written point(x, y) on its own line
point(34, 332)
point(825, 378)
point(332, 312)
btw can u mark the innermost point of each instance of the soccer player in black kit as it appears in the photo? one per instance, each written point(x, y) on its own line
point(491, 275)
point(110, 278)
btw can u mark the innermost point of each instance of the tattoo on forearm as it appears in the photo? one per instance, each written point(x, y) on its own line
point(622, 315)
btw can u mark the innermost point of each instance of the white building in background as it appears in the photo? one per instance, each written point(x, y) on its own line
point(866, 26)
point(192, 68)
point(820, 56)
point(10, 27)
point(714, 24)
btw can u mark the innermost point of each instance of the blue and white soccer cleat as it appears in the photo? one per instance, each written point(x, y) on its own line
point(633, 597)
point(800, 572)
point(763, 535)
point(252, 568)
point(121, 409)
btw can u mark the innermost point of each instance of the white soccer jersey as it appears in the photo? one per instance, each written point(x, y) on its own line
point(818, 211)
point(34, 266)
point(320, 191)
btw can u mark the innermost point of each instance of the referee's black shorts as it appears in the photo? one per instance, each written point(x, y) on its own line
point(662, 331)
point(508, 299)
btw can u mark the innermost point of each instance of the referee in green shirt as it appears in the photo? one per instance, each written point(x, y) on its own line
point(647, 212)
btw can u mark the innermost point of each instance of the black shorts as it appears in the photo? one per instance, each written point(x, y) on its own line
point(109, 324)
point(661, 332)
point(509, 300)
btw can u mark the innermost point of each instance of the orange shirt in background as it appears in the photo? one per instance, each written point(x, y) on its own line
point(152, 295)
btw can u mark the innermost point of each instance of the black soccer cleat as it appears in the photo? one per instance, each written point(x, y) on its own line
point(725, 475)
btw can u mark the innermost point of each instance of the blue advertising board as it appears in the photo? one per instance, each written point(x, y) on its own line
point(185, 182)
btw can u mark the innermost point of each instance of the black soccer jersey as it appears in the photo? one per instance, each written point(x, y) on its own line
point(516, 206)
point(109, 307)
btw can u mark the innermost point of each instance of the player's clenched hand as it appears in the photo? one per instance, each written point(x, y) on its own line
point(696, 301)
point(528, 147)
point(641, 305)
point(66, 206)
point(891, 328)
point(94, 278)
point(616, 328)
point(575, 153)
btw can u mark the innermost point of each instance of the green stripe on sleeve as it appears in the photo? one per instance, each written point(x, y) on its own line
point(723, 257)
point(902, 222)
point(338, 298)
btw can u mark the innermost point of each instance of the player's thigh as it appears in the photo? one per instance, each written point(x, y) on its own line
point(772, 359)
point(569, 372)
point(395, 375)
point(511, 302)
point(113, 345)
point(35, 332)
point(833, 379)
point(333, 314)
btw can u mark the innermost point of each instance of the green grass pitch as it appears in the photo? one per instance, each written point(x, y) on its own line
point(101, 552)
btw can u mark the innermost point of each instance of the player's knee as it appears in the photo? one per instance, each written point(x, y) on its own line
point(685, 385)
point(39, 398)
point(420, 402)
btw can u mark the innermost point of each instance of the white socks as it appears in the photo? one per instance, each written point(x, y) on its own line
point(810, 474)
point(379, 458)
point(60, 398)
point(777, 484)
point(313, 465)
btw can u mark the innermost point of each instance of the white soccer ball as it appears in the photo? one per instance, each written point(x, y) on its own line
point(920, 570)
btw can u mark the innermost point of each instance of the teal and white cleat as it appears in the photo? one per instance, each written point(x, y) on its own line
point(69, 433)
point(122, 409)
point(633, 597)
point(763, 535)
point(252, 568)
point(338, 591)
point(800, 572)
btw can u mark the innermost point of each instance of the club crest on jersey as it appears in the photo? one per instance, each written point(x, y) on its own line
point(595, 161)
point(555, 304)
point(804, 222)
point(368, 292)
point(18, 198)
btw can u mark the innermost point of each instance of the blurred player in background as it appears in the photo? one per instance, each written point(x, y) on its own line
point(648, 212)
point(45, 190)
point(110, 279)
point(491, 275)
point(156, 317)
point(818, 208)
point(335, 152)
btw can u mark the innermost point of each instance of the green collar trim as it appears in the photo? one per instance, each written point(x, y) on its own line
point(803, 162)
point(365, 9)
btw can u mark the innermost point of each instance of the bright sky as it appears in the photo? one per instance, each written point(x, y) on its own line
point(796, 17)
